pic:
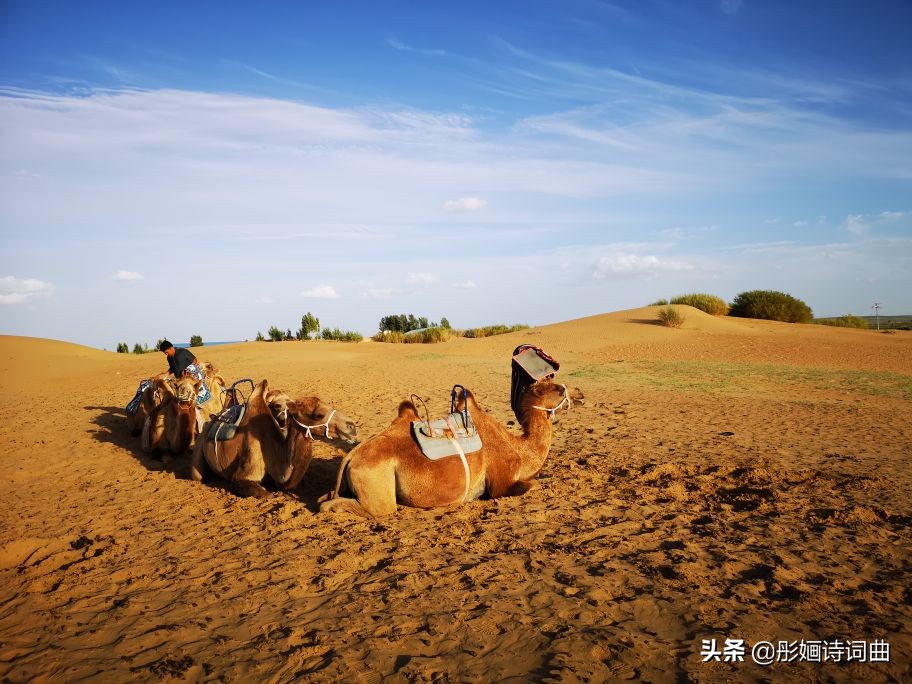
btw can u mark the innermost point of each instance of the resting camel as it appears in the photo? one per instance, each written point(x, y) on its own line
point(172, 424)
point(147, 403)
point(275, 438)
point(390, 467)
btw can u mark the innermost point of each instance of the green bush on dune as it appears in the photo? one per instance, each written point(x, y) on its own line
point(714, 306)
point(846, 321)
point(671, 317)
point(771, 306)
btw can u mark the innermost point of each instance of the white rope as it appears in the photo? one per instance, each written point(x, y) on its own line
point(462, 457)
point(551, 411)
point(308, 428)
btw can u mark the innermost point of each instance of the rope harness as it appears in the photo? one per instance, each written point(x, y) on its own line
point(308, 428)
point(563, 402)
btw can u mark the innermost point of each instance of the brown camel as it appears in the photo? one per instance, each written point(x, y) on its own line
point(275, 438)
point(172, 424)
point(390, 467)
point(149, 400)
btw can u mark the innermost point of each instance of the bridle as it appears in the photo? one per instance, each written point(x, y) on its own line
point(308, 428)
point(563, 402)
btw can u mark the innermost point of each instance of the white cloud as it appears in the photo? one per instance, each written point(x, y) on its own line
point(127, 276)
point(857, 225)
point(321, 292)
point(892, 215)
point(20, 290)
point(635, 264)
point(800, 224)
point(263, 299)
point(464, 204)
point(466, 285)
point(421, 279)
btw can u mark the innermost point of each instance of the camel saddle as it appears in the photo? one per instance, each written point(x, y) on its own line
point(224, 426)
point(454, 435)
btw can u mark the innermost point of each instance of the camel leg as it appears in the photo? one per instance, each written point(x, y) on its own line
point(341, 503)
point(198, 465)
point(250, 472)
point(375, 486)
point(247, 488)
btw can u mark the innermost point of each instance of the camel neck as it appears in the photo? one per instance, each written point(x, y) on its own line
point(537, 433)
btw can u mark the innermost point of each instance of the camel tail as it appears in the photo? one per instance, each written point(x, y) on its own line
point(342, 466)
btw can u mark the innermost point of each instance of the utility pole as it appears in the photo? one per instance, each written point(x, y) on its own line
point(876, 308)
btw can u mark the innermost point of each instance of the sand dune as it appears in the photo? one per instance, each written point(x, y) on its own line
point(731, 479)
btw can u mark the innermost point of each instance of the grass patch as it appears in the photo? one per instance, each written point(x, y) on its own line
point(671, 317)
point(743, 378)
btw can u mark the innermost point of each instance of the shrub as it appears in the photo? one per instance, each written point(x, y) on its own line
point(846, 321)
point(714, 306)
point(428, 336)
point(275, 335)
point(339, 335)
point(196, 340)
point(771, 306)
point(491, 330)
point(137, 348)
point(660, 302)
point(389, 336)
point(259, 337)
point(122, 348)
point(671, 317)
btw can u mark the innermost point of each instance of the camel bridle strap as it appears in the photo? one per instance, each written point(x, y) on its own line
point(308, 428)
point(563, 402)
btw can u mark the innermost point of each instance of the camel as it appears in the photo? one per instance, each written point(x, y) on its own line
point(275, 438)
point(389, 468)
point(173, 424)
point(148, 401)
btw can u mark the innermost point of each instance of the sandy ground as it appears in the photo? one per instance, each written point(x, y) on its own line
point(732, 479)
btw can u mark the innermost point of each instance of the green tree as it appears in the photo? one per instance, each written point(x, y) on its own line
point(444, 323)
point(137, 348)
point(122, 348)
point(275, 335)
point(196, 341)
point(309, 324)
point(259, 337)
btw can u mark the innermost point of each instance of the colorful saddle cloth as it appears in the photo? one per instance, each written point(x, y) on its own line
point(448, 436)
point(194, 370)
point(133, 406)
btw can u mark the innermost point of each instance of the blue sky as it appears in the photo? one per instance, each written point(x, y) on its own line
point(170, 169)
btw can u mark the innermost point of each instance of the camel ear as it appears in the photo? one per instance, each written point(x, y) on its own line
point(576, 395)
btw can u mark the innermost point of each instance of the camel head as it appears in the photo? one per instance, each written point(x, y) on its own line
point(550, 398)
point(319, 419)
point(278, 403)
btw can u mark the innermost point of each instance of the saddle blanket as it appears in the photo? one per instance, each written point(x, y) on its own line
point(224, 426)
point(203, 395)
point(133, 406)
point(446, 436)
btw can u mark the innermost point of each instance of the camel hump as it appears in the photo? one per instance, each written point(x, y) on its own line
point(407, 410)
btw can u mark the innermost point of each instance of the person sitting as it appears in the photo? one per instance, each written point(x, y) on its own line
point(179, 359)
point(182, 362)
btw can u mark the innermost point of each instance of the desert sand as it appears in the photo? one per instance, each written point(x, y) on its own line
point(732, 479)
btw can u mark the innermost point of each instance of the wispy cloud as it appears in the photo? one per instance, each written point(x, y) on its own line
point(421, 279)
point(127, 276)
point(402, 47)
point(632, 265)
point(464, 205)
point(264, 299)
point(465, 285)
point(321, 292)
point(21, 290)
point(857, 224)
